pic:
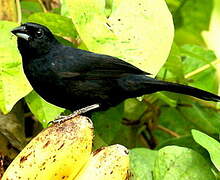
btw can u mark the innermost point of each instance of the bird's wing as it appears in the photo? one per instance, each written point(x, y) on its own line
point(95, 66)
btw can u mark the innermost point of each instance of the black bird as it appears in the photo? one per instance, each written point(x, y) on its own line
point(72, 78)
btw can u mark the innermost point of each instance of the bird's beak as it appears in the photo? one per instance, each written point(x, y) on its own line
point(21, 32)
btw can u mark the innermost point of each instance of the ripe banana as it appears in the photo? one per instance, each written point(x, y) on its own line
point(108, 163)
point(57, 152)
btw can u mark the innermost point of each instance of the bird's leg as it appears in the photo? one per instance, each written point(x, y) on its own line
point(61, 119)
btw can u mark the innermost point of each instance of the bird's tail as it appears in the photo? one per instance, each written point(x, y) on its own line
point(182, 89)
point(138, 85)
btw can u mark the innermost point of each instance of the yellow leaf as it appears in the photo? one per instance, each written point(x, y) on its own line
point(138, 31)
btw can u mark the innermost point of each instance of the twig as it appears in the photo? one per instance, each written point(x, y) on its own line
point(168, 131)
point(152, 141)
point(143, 140)
point(42, 5)
point(205, 104)
point(19, 15)
point(197, 71)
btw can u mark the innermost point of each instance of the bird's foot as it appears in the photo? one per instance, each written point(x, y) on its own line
point(78, 112)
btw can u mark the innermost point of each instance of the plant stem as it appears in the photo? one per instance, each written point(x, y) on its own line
point(42, 5)
point(168, 131)
point(203, 68)
point(19, 15)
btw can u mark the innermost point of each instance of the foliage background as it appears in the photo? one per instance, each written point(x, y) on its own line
point(158, 127)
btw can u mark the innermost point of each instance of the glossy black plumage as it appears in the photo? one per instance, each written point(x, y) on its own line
point(74, 78)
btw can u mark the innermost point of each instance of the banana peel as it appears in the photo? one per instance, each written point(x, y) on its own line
point(56, 153)
point(107, 163)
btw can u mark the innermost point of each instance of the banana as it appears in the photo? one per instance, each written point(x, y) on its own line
point(108, 163)
point(55, 153)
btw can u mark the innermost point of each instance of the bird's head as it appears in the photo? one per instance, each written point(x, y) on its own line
point(34, 39)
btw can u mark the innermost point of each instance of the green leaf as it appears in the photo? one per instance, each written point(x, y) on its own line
point(142, 37)
point(108, 123)
point(204, 118)
point(110, 130)
point(174, 65)
point(65, 42)
point(185, 141)
point(173, 120)
point(59, 25)
point(42, 110)
point(196, 15)
point(142, 162)
point(178, 163)
point(64, 9)
point(212, 146)
point(28, 8)
point(191, 18)
point(187, 115)
point(133, 109)
point(195, 57)
point(173, 5)
point(13, 84)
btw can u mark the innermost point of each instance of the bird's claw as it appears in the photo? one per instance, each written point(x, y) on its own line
point(61, 119)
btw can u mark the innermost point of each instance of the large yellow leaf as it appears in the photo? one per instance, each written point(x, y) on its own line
point(212, 37)
point(13, 84)
point(138, 31)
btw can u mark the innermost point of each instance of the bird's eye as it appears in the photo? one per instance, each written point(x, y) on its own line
point(39, 33)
